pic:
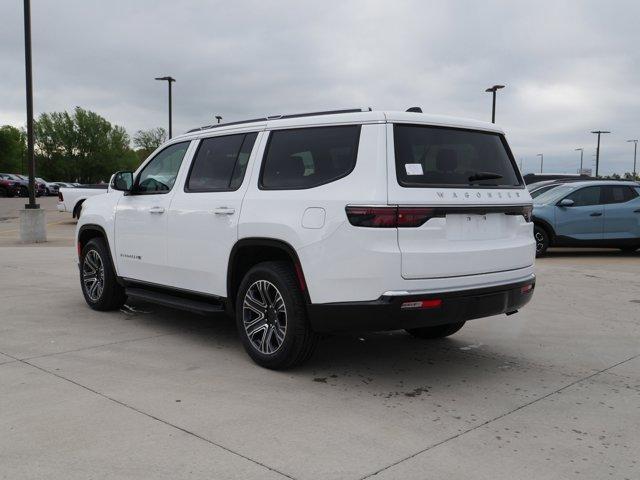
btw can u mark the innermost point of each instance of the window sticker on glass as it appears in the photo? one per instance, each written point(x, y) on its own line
point(413, 168)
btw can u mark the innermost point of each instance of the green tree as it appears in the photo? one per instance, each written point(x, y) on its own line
point(146, 141)
point(81, 146)
point(12, 149)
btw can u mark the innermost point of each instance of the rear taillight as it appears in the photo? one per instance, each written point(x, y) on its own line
point(526, 289)
point(527, 212)
point(388, 217)
point(60, 197)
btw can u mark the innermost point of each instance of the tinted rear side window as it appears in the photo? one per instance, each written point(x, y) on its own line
point(220, 163)
point(308, 157)
point(448, 157)
point(618, 193)
point(584, 197)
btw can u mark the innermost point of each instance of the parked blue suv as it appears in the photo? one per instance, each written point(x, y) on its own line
point(588, 214)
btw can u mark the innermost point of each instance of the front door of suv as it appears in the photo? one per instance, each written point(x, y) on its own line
point(141, 218)
point(584, 220)
point(203, 218)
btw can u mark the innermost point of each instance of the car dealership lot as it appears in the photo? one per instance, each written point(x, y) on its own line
point(552, 392)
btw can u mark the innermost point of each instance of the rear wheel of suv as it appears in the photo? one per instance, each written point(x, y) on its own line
point(439, 331)
point(271, 317)
point(98, 277)
point(542, 240)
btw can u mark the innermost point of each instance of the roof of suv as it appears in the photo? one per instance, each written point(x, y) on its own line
point(587, 183)
point(337, 117)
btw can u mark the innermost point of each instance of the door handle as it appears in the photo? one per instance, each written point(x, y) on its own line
point(156, 210)
point(595, 214)
point(224, 211)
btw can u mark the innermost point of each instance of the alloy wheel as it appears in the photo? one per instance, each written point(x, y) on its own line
point(264, 316)
point(540, 242)
point(93, 275)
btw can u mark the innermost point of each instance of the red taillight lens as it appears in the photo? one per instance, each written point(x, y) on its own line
point(419, 304)
point(60, 197)
point(388, 217)
point(413, 216)
point(380, 217)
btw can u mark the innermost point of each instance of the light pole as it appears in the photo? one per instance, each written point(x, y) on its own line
point(581, 154)
point(169, 80)
point(29, 84)
point(635, 153)
point(218, 118)
point(598, 132)
point(493, 90)
point(541, 160)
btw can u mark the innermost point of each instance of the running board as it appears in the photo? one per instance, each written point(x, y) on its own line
point(203, 307)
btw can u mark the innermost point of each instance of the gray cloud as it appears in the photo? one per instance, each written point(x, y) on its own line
point(569, 67)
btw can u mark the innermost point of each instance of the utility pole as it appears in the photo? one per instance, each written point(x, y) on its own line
point(169, 80)
point(581, 154)
point(635, 153)
point(493, 90)
point(598, 132)
point(541, 161)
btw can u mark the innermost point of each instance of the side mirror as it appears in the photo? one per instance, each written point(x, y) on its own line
point(566, 202)
point(122, 181)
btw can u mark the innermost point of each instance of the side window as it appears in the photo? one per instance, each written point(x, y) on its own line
point(220, 163)
point(159, 175)
point(308, 157)
point(585, 196)
point(618, 193)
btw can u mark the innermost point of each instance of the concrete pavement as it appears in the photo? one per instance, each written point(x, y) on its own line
point(552, 392)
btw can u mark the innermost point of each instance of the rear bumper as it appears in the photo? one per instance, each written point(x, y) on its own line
point(387, 313)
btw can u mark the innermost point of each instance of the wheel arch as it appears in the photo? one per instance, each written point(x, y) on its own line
point(546, 226)
point(90, 231)
point(77, 207)
point(248, 252)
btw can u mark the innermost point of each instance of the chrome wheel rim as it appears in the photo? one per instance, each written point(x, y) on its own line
point(264, 317)
point(93, 275)
point(539, 241)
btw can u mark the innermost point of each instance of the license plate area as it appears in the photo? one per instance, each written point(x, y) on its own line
point(470, 226)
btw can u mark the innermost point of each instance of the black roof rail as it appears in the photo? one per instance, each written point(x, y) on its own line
point(280, 117)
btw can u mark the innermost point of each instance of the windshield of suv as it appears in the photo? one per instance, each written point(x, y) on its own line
point(428, 156)
point(554, 194)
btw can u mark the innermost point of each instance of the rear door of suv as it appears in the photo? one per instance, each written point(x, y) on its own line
point(463, 207)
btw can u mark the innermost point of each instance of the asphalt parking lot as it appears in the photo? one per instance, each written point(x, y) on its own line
point(552, 392)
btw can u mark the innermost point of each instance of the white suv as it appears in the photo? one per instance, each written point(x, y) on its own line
point(346, 220)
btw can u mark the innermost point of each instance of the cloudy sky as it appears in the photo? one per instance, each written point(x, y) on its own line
point(569, 67)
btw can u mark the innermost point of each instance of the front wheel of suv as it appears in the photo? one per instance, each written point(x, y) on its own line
point(98, 277)
point(439, 331)
point(271, 317)
point(542, 240)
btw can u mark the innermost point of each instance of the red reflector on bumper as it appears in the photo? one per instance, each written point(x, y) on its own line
point(433, 303)
point(526, 288)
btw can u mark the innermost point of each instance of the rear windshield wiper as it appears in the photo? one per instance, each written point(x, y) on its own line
point(484, 176)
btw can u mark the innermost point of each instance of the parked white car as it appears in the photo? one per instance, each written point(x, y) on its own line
point(302, 224)
point(71, 199)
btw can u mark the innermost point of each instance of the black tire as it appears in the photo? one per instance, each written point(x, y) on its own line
point(541, 238)
point(629, 249)
point(109, 295)
point(4, 193)
point(439, 331)
point(284, 334)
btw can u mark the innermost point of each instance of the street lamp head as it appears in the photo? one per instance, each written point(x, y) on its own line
point(539, 155)
point(167, 78)
point(579, 149)
point(599, 131)
point(494, 88)
point(635, 141)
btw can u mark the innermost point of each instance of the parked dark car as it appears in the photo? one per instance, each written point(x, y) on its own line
point(41, 188)
point(8, 187)
point(23, 189)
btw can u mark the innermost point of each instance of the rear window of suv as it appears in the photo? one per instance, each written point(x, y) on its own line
point(428, 156)
point(308, 157)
